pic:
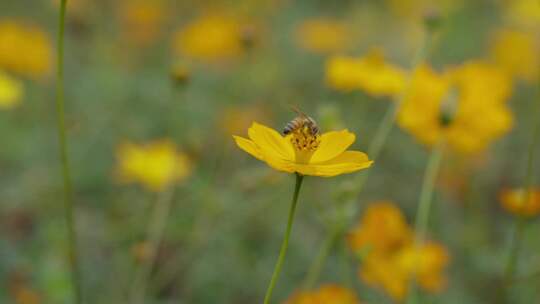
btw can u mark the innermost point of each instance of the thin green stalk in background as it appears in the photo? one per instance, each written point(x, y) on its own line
point(285, 244)
point(519, 222)
point(66, 172)
point(374, 149)
point(156, 227)
point(424, 206)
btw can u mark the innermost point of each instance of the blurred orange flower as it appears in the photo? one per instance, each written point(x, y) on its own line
point(516, 202)
point(466, 106)
point(382, 229)
point(370, 73)
point(11, 91)
point(156, 165)
point(390, 260)
point(304, 152)
point(326, 294)
point(517, 52)
point(323, 35)
point(25, 49)
point(142, 21)
point(394, 272)
point(210, 38)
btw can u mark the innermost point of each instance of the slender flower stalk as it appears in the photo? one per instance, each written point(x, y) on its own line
point(285, 243)
point(424, 207)
point(156, 227)
point(520, 221)
point(64, 158)
point(374, 149)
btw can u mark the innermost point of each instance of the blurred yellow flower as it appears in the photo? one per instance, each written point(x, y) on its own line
point(525, 13)
point(25, 49)
point(142, 20)
point(389, 258)
point(515, 201)
point(465, 105)
point(210, 38)
point(382, 229)
point(156, 165)
point(518, 53)
point(11, 91)
point(370, 74)
point(236, 119)
point(394, 272)
point(323, 35)
point(326, 294)
point(303, 152)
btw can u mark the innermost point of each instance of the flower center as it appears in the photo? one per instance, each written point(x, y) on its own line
point(305, 142)
point(448, 108)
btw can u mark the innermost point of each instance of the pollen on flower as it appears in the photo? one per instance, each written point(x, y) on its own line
point(303, 139)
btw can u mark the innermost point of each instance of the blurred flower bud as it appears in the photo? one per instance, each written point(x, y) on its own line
point(432, 19)
point(180, 75)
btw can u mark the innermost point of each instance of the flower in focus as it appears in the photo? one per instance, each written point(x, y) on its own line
point(142, 20)
point(517, 52)
point(326, 294)
point(515, 201)
point(370, 74)
point(390, 260)
point(156, 165)
point(323, 36)
point(303, 151)
point(25, 49)
point(465, 105)
point(210, 38)
point(11, 91)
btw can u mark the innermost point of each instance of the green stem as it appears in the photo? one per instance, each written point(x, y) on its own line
point(316, 267)
point(66, 172)
point(285, 244)
point(156, 227)
point(424, 206)
point(520, 222)
point(374, 150)
point(515, 245)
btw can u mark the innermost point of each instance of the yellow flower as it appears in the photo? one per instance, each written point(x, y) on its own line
point(525, 13)
point(323, 35)
point(11, 91)
point(370, 74)
point(156, 165)
point(25, 49)
point(236, 119)
point(391, 260)
point(210, 38)
point(142, 20)
point(515, 202)
point(304, 152)
point(518, 53)
point(382, 229)
point(394, 272)
point(465, 105)
point(326, 294)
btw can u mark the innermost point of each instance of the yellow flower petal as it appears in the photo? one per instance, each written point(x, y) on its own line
point(270, 142)
point(347, 162)
point(253, 149)
point(332, 144)
point(248, 146)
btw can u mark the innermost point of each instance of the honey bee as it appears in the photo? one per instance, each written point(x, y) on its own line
point(302, 121)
